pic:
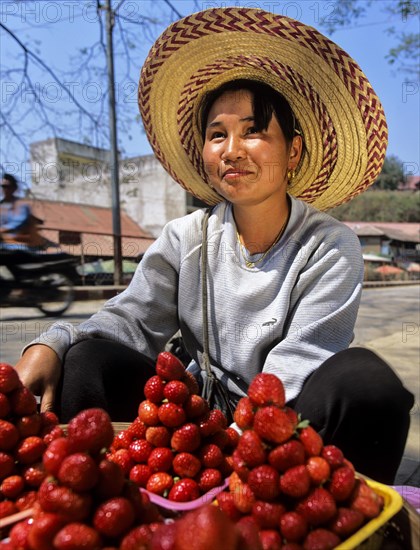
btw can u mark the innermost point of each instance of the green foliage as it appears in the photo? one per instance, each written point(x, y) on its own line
point(405, 55)
point(380, 206)
point(391, 175)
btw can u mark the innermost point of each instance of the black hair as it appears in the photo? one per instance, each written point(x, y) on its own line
point(265, 102)
point(11, 179)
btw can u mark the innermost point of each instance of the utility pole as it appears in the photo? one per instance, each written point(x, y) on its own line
point(116, 216)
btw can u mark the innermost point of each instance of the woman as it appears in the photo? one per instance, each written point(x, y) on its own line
point(267, 110)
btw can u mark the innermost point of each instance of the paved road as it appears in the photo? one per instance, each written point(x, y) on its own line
point(388, 323)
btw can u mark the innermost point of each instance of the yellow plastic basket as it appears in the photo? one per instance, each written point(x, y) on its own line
point(370, 536)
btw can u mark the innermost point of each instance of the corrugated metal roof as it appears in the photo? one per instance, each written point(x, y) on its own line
point(82, 218)
point(409, 232)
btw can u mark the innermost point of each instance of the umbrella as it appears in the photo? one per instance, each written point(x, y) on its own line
point(389, 270)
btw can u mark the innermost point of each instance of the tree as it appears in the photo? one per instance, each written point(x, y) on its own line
point(66, 92)
point(392, 174)
point(405, 55)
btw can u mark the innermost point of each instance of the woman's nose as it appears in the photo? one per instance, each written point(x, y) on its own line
point(234, 149)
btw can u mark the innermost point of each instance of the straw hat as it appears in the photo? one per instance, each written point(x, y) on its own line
point(341, 118)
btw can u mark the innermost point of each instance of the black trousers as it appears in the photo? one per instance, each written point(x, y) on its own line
point(354, 399)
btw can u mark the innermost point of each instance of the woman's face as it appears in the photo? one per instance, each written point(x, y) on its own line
point(244, 166)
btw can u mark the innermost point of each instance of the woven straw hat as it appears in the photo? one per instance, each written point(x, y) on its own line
point(341, 118)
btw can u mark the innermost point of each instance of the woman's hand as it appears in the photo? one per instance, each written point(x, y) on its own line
point(39, 370)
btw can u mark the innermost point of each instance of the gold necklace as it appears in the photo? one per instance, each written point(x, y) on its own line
point(248, 262)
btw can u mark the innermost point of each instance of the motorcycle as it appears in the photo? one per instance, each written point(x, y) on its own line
point(44, 281)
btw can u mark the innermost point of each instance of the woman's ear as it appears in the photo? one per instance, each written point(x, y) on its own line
point(295, 152)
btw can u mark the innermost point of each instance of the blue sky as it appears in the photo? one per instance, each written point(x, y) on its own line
point(58, 29)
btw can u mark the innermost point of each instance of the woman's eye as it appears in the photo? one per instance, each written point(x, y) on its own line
point(251, 130)
point(216, 135)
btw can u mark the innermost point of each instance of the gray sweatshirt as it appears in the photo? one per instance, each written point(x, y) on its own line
point(286, 315)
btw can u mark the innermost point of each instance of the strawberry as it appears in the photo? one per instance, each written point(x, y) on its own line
point(160, 459)
point(153, 389)
point(30, 450)
point(226, 504)
point(123, 458)
point(110, 479)
point(186, 438)
point(239, 465)
point(79, 472)
point(158, 436)
point(7, 464)
point(122, 440)
point(293, 526)
point(333, 455)
point(28, 499)
point(208, 479)
point(186, 465)
point(7, 508)
point(164, 536)
point(114, 517)
point(77, 535)
point(232, 438)
point(248, 530)
point(176, 391)
point(206, 527)
point(137, 428)
point(318, 469)
point(251, 449)
point(184, 490)
point(22, 402)
point(140, 450)
point(342, 483)
point(211, 455)
point(148, 413)
point(270, 539)
point(44, 529)
point(12, 486)
point(29, 425)
point(160, 483)
point(212, 423)
point(264, 482)
point(90, 430)
point(267, 514)
point(365, 500)
point(196, 406)
point(191, 382)
point(244, 413)
point(266, 389)
point(62, 500)
point(171, 415)
point(49, 418)
point(169, 367)
point(53, 432)
point(243, 497)
point(346, 522)
point(54, 455)
point(295, 482)
point(311, 440)
point(318, 507)
point(138, 538)
point(9, 379)
point(19, 535)
point(4, 406)
point(9, 435)
point(34, 474)
point(139, 474)
point(284, 456)
point(273, 425)
point(321, 539)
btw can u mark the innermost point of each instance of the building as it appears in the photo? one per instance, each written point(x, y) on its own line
point(71, 172)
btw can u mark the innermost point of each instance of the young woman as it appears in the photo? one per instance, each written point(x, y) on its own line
point(249, 133)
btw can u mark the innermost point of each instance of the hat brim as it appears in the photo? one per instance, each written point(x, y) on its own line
point(342, 120)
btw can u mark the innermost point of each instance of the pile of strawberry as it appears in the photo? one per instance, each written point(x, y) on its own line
point(177, 447)
point(296, 492)
point(85, 500)
point(24, 436)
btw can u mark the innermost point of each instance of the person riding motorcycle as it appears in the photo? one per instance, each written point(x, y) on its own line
point(18, 225)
